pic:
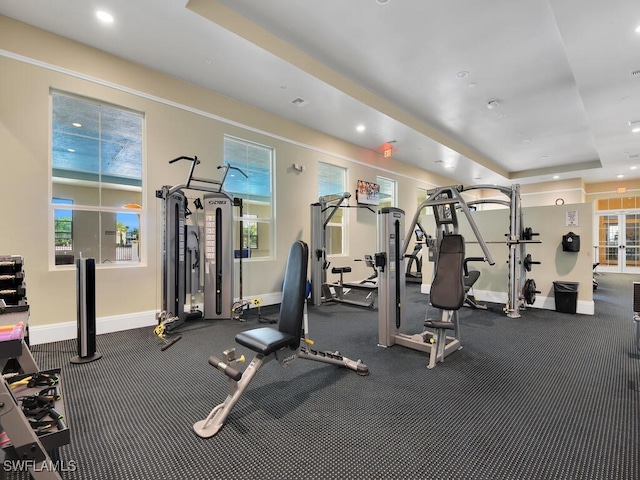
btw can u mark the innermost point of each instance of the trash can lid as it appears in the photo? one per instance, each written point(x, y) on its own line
point(566, 286)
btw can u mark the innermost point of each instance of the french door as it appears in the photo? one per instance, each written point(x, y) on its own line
point(618, 242)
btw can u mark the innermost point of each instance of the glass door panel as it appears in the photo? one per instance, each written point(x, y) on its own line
point(608, 246)
point(630, 246)
point(619, 242)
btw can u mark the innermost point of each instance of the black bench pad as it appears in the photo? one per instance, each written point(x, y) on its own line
point(266, 340)
point(341, 270)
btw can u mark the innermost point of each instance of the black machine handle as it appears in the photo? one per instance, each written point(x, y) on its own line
point(192, 159)
point(229, 371)
point(471, 259)
point(231, 167)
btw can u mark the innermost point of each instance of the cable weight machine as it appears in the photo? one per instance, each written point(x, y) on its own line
point(181, 251)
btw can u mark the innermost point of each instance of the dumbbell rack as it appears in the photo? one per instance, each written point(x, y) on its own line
point(25, 442)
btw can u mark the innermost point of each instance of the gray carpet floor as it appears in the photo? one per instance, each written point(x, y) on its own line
point(548, 395)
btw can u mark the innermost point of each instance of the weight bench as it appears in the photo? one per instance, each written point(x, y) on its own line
point(448, 293)
point(268, 342)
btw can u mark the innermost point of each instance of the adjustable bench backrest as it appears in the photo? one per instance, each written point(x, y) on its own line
point(447, 289)
point(294, 291)
point(266, 340)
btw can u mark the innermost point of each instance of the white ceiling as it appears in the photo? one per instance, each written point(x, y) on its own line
point(559, 70)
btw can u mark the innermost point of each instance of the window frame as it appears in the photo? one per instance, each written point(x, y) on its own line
point(343, 225)
point(394, 194)
point(251, 218)
point(99, 209)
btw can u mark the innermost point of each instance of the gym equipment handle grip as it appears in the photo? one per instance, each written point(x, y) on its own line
point(230, 372)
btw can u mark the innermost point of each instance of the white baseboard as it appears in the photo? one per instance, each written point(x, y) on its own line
point(545, 303)
point(55, 332)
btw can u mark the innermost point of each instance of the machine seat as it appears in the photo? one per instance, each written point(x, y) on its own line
point(470, 279)
point(340, 269)
point(267, 340)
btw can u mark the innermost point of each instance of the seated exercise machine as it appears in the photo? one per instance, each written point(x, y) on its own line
point(363, 293)
point(447, 292)
point(281, 343)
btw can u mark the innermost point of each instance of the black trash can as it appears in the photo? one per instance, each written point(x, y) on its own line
point(566, 294)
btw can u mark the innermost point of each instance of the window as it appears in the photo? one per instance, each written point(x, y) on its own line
point(255, 190)
point(388, 189)
point(331, 181)
point(96, 177)
point(63, 229)
point(422, 195)
point(250, 233)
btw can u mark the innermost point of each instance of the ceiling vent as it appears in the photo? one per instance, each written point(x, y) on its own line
point(635, 73)
point(633, 156)
point(299, 102)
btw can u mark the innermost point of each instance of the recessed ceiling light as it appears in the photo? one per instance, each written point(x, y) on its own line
point(638, 29)
point(633, 167)
point(472, 85)
point(620, 175)
point(635, 126)
point(502, 115)
point(492, 104)
point(361, 128)
point(104, 16)
point(462, 74)
point(76, 124)
point(382, 2)
point(555, 177)
point(70, 150)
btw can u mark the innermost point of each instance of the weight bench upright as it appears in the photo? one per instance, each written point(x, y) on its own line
point(268, 342)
